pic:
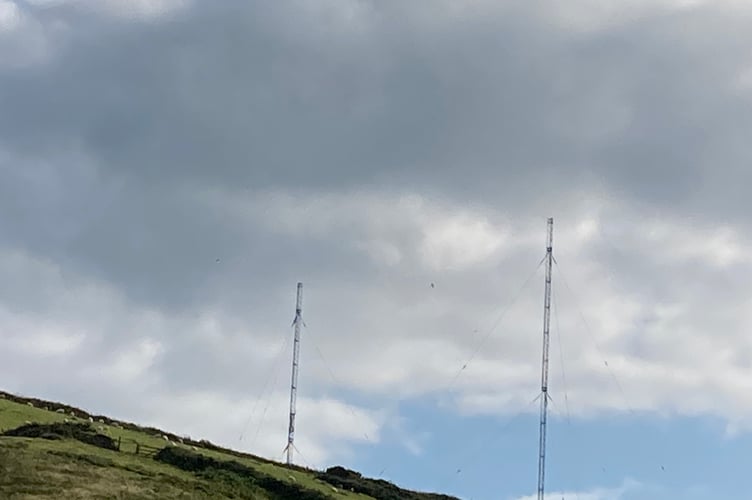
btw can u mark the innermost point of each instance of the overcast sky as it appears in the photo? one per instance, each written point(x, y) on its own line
point(170, 169)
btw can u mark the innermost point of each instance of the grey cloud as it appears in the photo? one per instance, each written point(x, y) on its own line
point(260, 95)
point(135, 154)
point(503, 106)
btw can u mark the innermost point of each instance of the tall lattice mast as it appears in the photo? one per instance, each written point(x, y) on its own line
point(544, 368)
point(294, 384)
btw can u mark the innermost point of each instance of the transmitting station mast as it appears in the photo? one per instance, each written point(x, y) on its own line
point(544, 365)
point(294, 384)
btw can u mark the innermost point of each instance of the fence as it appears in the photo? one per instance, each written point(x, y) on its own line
point(133, 446)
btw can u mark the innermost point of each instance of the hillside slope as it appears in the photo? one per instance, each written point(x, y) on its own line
point(53, 450)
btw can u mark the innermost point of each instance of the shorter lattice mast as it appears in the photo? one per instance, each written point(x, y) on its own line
point(294, 384)
point(544, 365)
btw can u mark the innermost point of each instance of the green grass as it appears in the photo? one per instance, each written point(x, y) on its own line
point(14, 415)
point(39, 468)
point(36, 468)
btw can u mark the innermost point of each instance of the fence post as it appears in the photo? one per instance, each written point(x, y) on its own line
point(118, 443)
point(137, 448)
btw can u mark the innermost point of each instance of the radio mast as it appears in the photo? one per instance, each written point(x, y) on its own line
point(544, 368)
point(294, 384)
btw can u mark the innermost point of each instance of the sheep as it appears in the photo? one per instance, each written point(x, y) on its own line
point(46, 409)
point(28, 422)
point(72, 414)
point(166, 438)
point(66, 420)
point(194, 448)
point(181, 441)
point(292, 478)
point(91, 420)
point(30, 404)
point(100, 421)
point(59, 410)
point(335, 489)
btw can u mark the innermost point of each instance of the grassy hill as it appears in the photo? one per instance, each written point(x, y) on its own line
point(53, 450)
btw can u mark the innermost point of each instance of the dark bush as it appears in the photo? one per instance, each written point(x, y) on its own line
point(79, 431)
point(343, 473)
point(235, 473)
point(377, 488)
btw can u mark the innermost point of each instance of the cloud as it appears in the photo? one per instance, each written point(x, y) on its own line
point(9, 15)
point(472, 125)
point(326, 428)
point(109, 351)
point(170, 170)
point(389, 228)
point(130, 9)
point(411, 439)
point(591, 494)
point(424, 334)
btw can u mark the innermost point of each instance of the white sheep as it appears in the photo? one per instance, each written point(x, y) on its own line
point(100, 421)
point(91, 420)
point(194, 448)
point(166, 438)
point(59, 410)
point(28, 423)
point(30, 404)
point(72, 414)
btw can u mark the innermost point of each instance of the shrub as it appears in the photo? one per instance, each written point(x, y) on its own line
point(79, 431)
point(377, 488)
point(235, 475)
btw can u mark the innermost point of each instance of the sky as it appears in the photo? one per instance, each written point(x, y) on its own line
point(170, 169)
